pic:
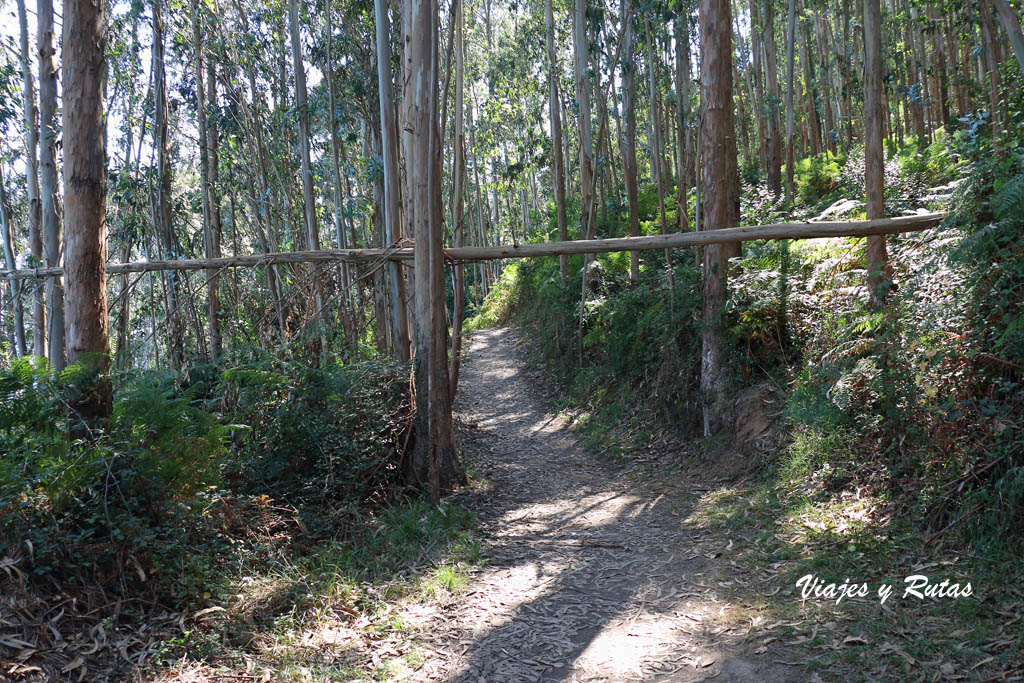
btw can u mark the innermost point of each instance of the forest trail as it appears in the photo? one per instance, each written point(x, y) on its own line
point(590, 576)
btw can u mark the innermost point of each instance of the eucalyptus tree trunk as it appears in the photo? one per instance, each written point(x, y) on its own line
point(348, 306)
point(790, 157)
point(15, 286)
point(212, 327)
point(657, 154)
point(774, 151)
point(48, 184)
point(392, 202)
point(213, 181)
point(721, 203)
point(84, 80)
point(941, 77)
point(629, 165)
point(760, 103)
point(458, 200)
point(920, 58)
point(740, 98)
point(811, 87)
point(913, 78)
point(682, 83)
point(874, 159)
point(582, 58)
point(302, 109)
point(1010, 22)
point(847, 76)
point(35, 239)
point(261, 207)
point(558, 162)
point(959, 94)
point(829, 86)
point(992, 64)
point(434, 461)
point(165, 227)
point(481, 233)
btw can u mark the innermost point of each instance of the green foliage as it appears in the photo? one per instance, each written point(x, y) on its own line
point(818, 178)
point(920, 402)
point(177, 446)
point(501, 301)
point(934, 163)
point(932, 385)
point(157, 493)
point(317, 434)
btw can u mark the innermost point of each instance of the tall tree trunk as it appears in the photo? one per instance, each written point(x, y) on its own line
point(920, 57)
point(992, 67)
point(213, 189)
point(392, 199)
point(874, 159)
point(759, 94)
point(830, 87)
point(790, 157)
point(458, 201)
point(629, 164)
point(340, 238)
point(165, 229)
point(558, 161)
point(657, 153)
point(942, 77)
point(773, 104)
point(15, 286)
point(308, 198)
point(847, 76)
point(811, 87)
point(913, 82)
point(84, 81)
point(582, 60)
point(435, 461)
point(1010, 22)
point(959, 91)
point(35, 238)
point(212, 330)
point(721, 204)
point(49, 186)
point(261, 205)
point(682, 83)
point(740, 99)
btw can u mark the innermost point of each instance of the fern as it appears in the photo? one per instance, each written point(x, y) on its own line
point(1008, 202)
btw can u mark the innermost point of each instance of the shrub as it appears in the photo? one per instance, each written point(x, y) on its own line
point(155, 497)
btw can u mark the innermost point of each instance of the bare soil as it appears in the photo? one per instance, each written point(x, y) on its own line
point(590, 574)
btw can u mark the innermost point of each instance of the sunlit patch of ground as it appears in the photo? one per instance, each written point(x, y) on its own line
point(780, 535)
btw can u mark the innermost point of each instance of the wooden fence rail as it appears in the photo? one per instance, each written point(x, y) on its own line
point(806, 230)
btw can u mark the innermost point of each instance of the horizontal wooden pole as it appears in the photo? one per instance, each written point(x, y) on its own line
point(806, 230)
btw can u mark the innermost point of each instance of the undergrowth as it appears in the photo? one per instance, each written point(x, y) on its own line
point(268, 496)
point(184, 463)
point(919, 404)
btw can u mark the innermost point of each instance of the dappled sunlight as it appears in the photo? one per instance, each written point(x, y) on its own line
point(588, 575)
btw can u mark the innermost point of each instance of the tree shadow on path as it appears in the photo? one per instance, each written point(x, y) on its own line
point(591, 576)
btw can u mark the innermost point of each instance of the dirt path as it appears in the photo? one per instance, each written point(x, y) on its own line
point(590, 576)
